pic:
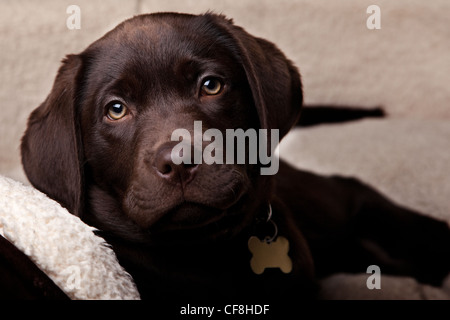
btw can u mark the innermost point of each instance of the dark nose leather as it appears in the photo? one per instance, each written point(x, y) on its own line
point(174, 173)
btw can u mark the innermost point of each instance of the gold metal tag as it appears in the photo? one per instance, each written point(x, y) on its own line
point(269, 254)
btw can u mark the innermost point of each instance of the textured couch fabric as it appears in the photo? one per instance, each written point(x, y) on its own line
point(403, 67)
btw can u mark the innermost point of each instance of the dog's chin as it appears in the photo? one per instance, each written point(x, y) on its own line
point(190, 223)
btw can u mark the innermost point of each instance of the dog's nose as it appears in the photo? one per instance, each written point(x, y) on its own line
point(175, 173)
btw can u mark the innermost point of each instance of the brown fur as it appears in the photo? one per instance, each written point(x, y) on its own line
point(182, 231)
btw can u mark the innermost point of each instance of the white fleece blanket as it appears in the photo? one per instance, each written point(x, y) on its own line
point(60, 244)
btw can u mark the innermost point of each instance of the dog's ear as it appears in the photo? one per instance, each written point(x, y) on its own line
point(51, 146)
point(274, 80)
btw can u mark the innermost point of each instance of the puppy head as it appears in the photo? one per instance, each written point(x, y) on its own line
point(100, 143)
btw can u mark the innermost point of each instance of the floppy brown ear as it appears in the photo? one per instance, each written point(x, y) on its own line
point(274, 80)
point(51, 148)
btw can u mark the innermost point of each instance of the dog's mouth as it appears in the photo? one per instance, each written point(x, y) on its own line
point(188, 215)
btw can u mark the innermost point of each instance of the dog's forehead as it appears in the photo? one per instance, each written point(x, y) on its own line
point(152, 54)
point(161, 40)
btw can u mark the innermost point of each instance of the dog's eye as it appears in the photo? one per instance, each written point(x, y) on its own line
point(117, 111)
point(211, 86)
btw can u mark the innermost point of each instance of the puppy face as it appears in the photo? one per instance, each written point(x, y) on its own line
point(133, 105)
point(109, 119)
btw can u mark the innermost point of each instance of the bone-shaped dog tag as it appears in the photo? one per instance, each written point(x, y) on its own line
point(269, 254)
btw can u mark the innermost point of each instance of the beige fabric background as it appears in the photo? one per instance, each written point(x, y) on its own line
point(404, 66)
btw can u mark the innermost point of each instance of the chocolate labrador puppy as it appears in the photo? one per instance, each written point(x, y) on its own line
point(101, 145)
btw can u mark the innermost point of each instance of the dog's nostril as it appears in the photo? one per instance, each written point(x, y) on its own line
point(170, 171)
point(165, 169)
point(163, 163)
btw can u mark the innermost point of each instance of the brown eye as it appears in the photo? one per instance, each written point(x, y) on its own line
point(211, 86)
point(117, 111)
